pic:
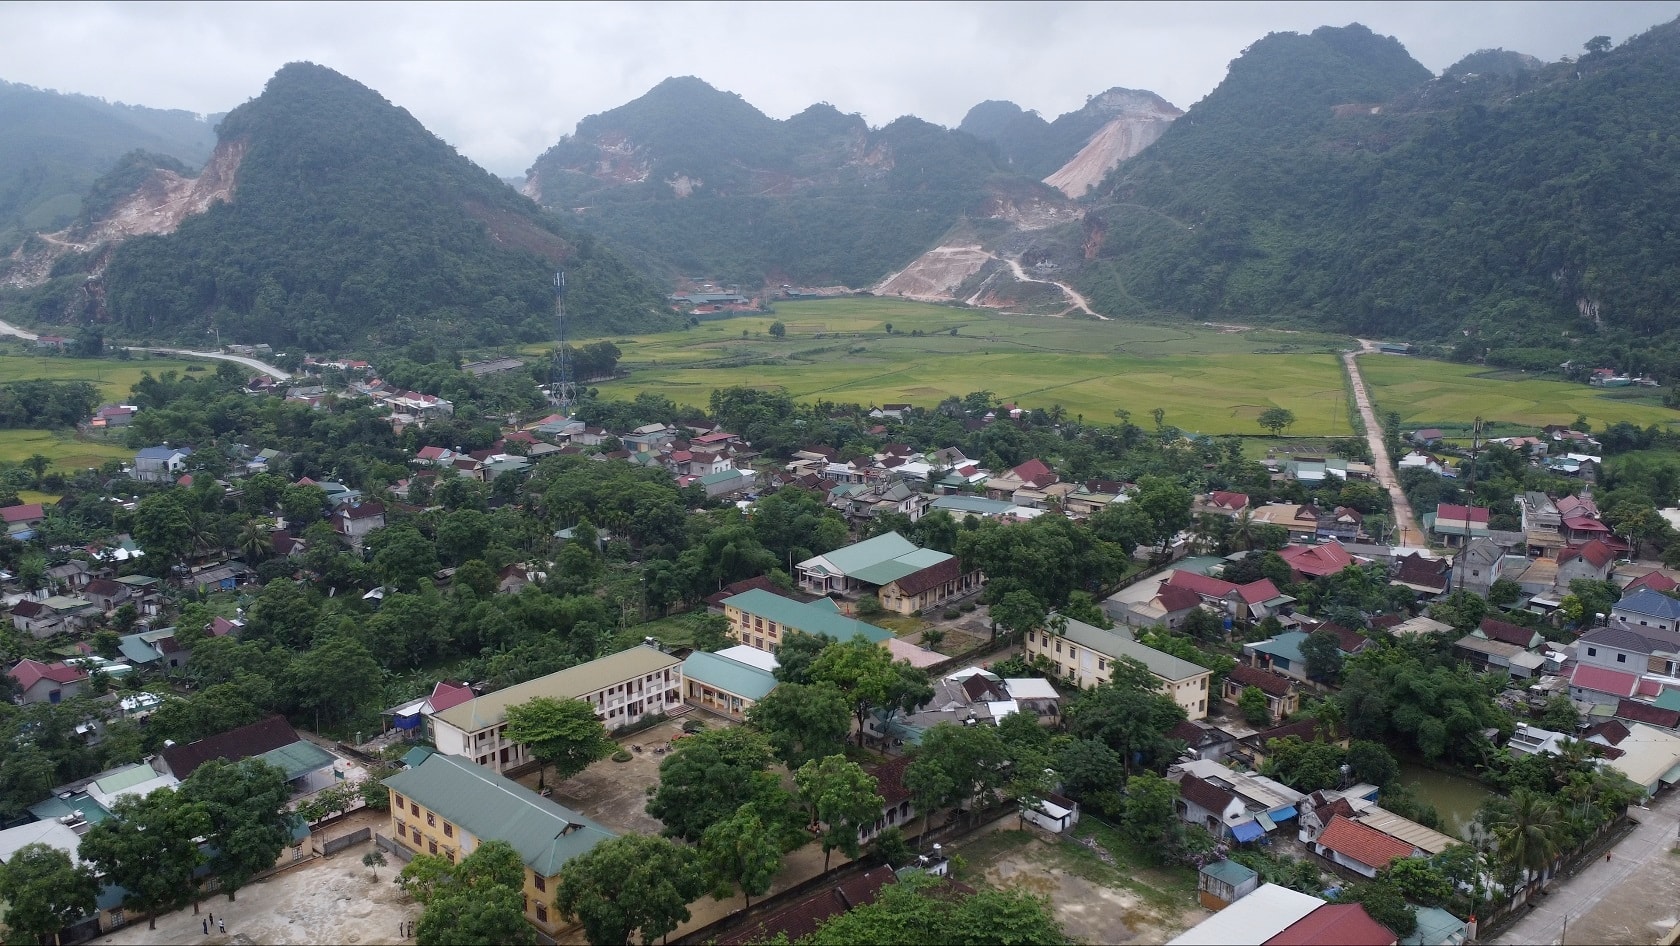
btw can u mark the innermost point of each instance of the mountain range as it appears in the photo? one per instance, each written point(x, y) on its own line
point(1329, 181)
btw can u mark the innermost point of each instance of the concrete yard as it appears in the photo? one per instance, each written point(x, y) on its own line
point(615, 793)
point(327, 900)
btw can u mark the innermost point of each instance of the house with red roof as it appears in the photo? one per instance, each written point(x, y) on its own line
point(1335, 924)
point(1282, 699)
point(1360, 847)
point(1250, 602)
point(1591, 560)
point(21, 520)
point(1316, 561)
point(1225, 503)
point(39, 682)
point(356, 520)
point(1657, 581)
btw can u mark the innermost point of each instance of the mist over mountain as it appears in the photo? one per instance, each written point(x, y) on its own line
point(55, 146)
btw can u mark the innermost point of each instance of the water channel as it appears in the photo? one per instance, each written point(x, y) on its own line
point(1455, 797)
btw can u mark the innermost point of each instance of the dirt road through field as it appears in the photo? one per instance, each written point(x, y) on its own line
point(1405, 522)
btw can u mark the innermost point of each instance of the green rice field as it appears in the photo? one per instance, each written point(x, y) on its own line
point(113, 378)
point(1442, 394)
point(1207, 381)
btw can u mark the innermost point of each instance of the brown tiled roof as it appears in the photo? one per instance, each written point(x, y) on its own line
point(264, 735)
point(1656, 581)
point(1612, 731)
point(1426, 572)
point(104, 587)
point(931, 577)
point(1174, 599)
point(1497, 630)
point(28, 608)
point(1209, 796)
point(1328, 812)
point(1597, 554)
point(760, 583)
point(1348, 641)
point(978, 688)
point(1269, 681)
point(889, 780)
point(1363, 843)
point(1646, 713)
point(802, 917)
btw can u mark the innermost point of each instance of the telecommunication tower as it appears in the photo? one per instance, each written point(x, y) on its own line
point(564, 389)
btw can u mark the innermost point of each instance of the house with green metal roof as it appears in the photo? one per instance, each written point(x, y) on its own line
point(907, 577)
point(724, 685)
point(1085, 655)
point(447, 806)
point(761, 619)
point(624, 688)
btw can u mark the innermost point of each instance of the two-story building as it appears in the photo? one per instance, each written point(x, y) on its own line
point(160, 464)
point(1621, 660)
point(763, 619)
point(1282, 699)
point(624, 688)
point(446, 806)
point(1085, 655)
point(1647, 608)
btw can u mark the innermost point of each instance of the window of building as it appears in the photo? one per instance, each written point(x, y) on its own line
point(448, 830)
point(542, 913)
point(431, 820)
point(539, 881)
point(416, 835)
point(1058, 647)
point(414, 808)
point(1102, 664)
point(1621, 658)
point(399, 801)
point(431, 847)
point(1592, 651)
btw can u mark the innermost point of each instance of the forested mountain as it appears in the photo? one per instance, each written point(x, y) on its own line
point(1329, 179)
point(336, 218)
point(56, 145)
point(701, 182)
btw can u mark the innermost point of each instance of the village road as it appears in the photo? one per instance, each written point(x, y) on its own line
point(255, 365)
point(1405, 522)
point(1631, 898)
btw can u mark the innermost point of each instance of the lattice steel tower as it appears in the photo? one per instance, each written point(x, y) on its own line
point(564, 388)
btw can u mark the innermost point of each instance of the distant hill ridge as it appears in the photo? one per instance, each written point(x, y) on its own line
point(335, 218)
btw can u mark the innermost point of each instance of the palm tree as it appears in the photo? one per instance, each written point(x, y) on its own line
point(255, 540)
point(1243, 530)
point(1528, 833)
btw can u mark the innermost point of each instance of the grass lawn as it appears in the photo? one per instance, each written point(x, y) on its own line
point(27, 496)
point(1441, 394)
point(1207, 381)
point(114, 378)
point(61, 447)
point(900, 625)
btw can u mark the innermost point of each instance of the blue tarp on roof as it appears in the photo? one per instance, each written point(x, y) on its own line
point(1247, 831)
point(1283, 814)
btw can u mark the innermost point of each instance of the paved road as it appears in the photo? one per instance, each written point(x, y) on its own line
point(7, 328)
point(1616, 901)
point(1405, 522)
point(255, 365)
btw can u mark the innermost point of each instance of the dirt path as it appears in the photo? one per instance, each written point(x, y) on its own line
point(1405, 521)
point(1079, 301)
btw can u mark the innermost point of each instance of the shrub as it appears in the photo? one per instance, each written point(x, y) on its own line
point(968, 607)
point(951, 614)
point(621, 756)
point(693, 726)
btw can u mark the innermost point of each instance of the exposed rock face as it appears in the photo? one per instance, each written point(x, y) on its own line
point(1139, 118)
point(157, 206)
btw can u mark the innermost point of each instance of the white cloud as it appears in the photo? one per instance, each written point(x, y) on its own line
point(503, 81)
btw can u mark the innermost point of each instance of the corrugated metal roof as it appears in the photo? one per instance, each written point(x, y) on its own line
point(571, 683)
point(298, 759)
point(804, 617)
point(491, 807)
point(861, 555)
point(728, 675)
point(1114, 644)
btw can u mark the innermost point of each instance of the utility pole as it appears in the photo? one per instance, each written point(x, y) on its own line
point(1475, 448)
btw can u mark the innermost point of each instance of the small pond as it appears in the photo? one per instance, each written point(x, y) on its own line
point(1454, 796)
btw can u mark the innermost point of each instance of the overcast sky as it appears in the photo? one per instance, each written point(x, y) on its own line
point(503, 81)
